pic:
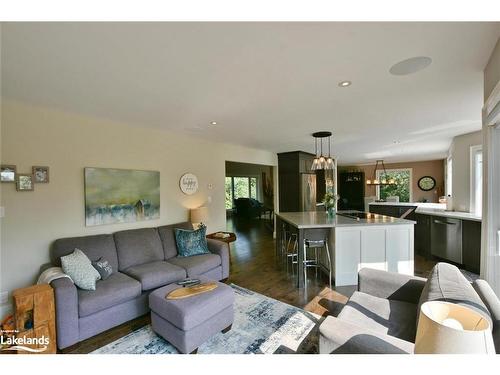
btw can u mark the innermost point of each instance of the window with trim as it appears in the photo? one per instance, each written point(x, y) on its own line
point(476, 176)
point(402, 189)
point(449, 176)
point(240, 187)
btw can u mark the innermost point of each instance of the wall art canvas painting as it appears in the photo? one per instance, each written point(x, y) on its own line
point(121, 196)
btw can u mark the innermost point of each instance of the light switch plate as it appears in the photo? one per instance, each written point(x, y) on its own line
point(4, 297)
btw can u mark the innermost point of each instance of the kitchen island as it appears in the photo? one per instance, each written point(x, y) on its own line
point(356, 240)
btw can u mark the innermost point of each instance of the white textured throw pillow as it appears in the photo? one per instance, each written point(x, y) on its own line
point(79, 267)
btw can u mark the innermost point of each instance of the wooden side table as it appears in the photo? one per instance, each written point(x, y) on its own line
point(227, 240)
point(34, 312)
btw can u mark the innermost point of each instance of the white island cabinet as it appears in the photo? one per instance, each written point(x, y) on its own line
point(372, 240)
point(383, 247)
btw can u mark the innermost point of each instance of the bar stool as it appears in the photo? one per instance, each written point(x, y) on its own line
point(285, 233)
point(307, 263)
point(292, 251)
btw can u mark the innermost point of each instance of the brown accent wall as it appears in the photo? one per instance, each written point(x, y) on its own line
point(433, 168)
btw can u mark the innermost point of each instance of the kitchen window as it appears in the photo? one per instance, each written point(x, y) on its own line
point(403, 188)
point(476, 179)
point(240, 187)
point(449, 176)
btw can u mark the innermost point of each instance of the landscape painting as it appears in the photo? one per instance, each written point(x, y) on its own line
point(121, 196)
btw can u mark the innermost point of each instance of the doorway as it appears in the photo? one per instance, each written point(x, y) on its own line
point(249, 191)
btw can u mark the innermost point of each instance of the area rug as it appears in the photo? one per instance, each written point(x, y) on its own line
point(261, 325)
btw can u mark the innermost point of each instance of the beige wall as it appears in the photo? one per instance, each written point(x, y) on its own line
point(492, 71)
point(433, 168)
point(460, 153)
point(67, 143)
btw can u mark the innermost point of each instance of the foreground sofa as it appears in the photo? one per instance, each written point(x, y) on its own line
point(142, 260)
point(381, 317)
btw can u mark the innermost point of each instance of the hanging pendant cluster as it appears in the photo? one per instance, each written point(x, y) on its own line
point(321, 161)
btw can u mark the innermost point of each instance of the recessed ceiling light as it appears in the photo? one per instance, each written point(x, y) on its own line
point(345, 83)
point(213, 122)
point(410, 66)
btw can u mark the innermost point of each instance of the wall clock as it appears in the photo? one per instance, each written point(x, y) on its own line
point(188, 183)
point(426, 183)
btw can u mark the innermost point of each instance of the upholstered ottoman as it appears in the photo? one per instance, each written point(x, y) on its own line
point(189, 322)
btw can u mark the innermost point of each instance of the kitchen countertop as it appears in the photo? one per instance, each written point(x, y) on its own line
point(318, 219)
point(450, 214)
point(434, 209)
point(438, 206)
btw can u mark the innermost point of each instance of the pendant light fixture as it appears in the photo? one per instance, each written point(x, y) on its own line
point(384, 180)
point(321, 161)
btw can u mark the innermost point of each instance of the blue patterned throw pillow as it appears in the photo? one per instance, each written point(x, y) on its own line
point(191, 242)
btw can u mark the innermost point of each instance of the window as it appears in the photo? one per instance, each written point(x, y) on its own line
point(401, 190)
point(240, 187)
point(476, 176)
point(229, 193)
point(449, 176)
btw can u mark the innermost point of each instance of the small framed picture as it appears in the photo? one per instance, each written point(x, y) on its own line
point(24, 182)
point(8, 173)
point(41, 175)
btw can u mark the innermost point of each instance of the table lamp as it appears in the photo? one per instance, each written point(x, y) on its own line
point(448, 328)
point(199, 215)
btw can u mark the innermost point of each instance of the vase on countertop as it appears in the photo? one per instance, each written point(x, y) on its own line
point(331, 212)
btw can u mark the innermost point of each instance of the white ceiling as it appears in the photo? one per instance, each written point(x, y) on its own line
point(268, 85)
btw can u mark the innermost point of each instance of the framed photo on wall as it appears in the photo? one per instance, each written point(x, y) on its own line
point(8, 173)
point(24, 182)
point(40, 174)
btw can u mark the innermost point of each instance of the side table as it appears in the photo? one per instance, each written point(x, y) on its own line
point(227, 240)
point(34, 312)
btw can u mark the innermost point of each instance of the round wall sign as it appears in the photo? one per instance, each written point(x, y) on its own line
point(188, 183)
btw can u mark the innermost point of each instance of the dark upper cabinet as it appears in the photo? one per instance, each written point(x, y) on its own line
point(290, 167)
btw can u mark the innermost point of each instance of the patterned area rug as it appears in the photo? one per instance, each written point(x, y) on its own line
point(261, 325)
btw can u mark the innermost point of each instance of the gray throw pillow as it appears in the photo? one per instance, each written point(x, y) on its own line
point(103, 267)
point(79, 267)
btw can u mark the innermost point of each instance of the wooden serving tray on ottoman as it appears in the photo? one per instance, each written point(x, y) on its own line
point(190, 291)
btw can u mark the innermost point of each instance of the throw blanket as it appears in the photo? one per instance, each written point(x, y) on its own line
point(50, 274)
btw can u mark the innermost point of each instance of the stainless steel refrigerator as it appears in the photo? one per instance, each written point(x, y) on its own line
point(308, 191)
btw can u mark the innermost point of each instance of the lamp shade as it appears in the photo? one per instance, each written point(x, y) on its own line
point(199, 215)
point(448, 328)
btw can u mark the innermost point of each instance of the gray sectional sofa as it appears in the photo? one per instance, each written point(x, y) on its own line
point(142, 260)
point(381, 317)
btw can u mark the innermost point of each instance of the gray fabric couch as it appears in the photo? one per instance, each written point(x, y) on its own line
point(142, 261)
point(381, 317)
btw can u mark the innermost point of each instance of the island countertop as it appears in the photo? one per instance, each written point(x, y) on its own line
point(319, 219)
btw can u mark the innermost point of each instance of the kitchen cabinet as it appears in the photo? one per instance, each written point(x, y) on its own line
point(393, 211)
point(423, 235)
point(291, 167)
point(471, 245)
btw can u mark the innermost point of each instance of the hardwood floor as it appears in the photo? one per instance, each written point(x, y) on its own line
point(255, 267)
